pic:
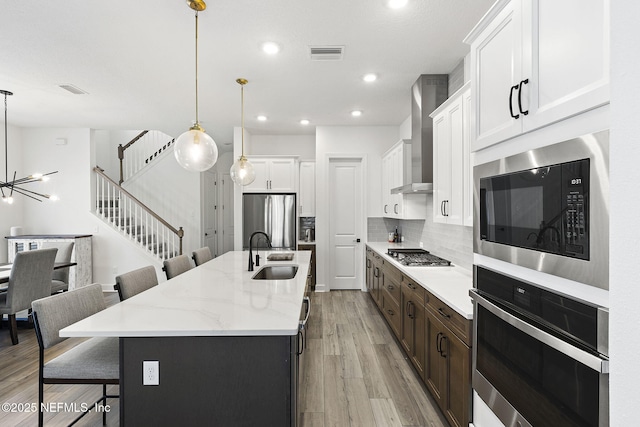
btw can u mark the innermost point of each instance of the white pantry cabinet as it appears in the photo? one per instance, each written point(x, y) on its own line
point(307, 189)
point(273, 175)
point(451, 166)
point(535, 62)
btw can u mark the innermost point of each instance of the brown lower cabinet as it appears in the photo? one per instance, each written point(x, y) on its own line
point(448, 370)
point(374, 275)
point(436, 339)
point(312, 263)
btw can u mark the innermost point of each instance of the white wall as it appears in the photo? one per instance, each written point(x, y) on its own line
point(624, 291)
point(72, 214)
point(11, 215)
point(282, 145)
point(173, 193)
point(370, 142)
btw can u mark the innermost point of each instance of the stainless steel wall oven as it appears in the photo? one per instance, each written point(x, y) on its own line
point(548, 209)
point(539, 358)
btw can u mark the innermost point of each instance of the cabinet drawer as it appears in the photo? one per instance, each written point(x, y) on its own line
point(393, 282)
point(417, 291)
point(450, 318)
point(391, 311)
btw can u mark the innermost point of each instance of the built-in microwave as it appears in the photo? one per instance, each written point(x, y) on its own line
point(547, 209)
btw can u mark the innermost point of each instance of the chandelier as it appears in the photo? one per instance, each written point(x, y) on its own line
point(7, 188)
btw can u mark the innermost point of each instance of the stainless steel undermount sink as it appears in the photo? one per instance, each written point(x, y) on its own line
point(276, 272)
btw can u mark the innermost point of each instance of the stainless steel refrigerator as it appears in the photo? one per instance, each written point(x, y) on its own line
point(275, 214)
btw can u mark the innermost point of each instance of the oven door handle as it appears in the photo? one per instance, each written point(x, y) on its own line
point(594, 362)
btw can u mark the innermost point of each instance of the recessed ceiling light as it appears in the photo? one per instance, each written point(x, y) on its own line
point(369, 77)
point(304, 122)
point(356, 113)
point(262, 118)
point(397, 4)
point(270, 48)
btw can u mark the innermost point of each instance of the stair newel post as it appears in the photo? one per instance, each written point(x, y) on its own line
point(121, 157)
point(180, 234)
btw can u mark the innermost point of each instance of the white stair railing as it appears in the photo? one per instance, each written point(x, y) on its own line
point(116, 206)
point(140, 151)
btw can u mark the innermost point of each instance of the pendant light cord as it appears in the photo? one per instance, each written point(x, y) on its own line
point(6, 156)
point(197, 121)
point(242, 115)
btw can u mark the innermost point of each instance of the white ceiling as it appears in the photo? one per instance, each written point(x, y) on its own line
point(136, 60)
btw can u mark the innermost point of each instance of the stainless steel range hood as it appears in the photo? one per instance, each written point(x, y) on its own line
point(427, 93)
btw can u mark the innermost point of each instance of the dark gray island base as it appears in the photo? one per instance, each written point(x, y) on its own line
point(212, 381)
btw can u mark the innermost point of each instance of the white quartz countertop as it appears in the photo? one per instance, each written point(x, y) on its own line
point(450, 284)
point(217, 298)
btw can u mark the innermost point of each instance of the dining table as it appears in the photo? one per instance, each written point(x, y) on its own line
point(5, 271)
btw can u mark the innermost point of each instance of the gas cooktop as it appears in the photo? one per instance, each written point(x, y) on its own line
point(417, 258)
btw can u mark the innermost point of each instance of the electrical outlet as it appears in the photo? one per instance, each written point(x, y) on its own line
point(150, 372)
point(421, 245)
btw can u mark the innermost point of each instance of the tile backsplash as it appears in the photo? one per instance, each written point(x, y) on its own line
point(453, 242)
point(305, 222)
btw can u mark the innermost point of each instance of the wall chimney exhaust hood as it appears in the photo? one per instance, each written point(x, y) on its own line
point(427, 93)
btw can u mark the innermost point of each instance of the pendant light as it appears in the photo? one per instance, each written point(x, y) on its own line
point(242, 172)
point(195, 150)
point(7, 188)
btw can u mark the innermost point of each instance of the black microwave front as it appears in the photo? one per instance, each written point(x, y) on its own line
point(548, 209)
point(545, 208)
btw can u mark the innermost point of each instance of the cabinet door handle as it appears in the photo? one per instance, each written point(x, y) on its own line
point(395, 208)
point(442, 208)
point(385, 208)
point(445, 340)
point(390, 287)
point(368, 263)
point(438, 349)
point(515, 116)
point(443, 314)
point(391, 313)
point(446, 203)
point(524, 82)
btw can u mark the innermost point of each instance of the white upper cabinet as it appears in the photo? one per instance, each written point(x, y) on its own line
point(394, 174)
point(535, 62)
point(273, 175)
point(308, 189)
point(451, 166)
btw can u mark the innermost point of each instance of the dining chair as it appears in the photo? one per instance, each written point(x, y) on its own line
point(60, 278)
point(176, 265)
point(136, 281)
point(30, 279)
point(94, 361)
point(202, 255)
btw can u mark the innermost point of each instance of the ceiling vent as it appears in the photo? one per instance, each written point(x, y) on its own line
point(73, 89)
point(326, 53)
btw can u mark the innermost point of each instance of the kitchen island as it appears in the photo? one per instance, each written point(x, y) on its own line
point(226, 345)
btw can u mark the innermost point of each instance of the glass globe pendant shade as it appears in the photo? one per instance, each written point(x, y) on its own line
point(195, 150)
point(242, 172)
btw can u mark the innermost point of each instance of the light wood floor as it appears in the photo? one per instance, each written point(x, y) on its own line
point(353, 373)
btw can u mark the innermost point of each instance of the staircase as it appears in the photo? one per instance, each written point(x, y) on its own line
point(118, 208)
point(141, 150)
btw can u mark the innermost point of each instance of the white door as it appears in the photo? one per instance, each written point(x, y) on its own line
point(225, 240)
point(346, 223)
point(210, 213)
